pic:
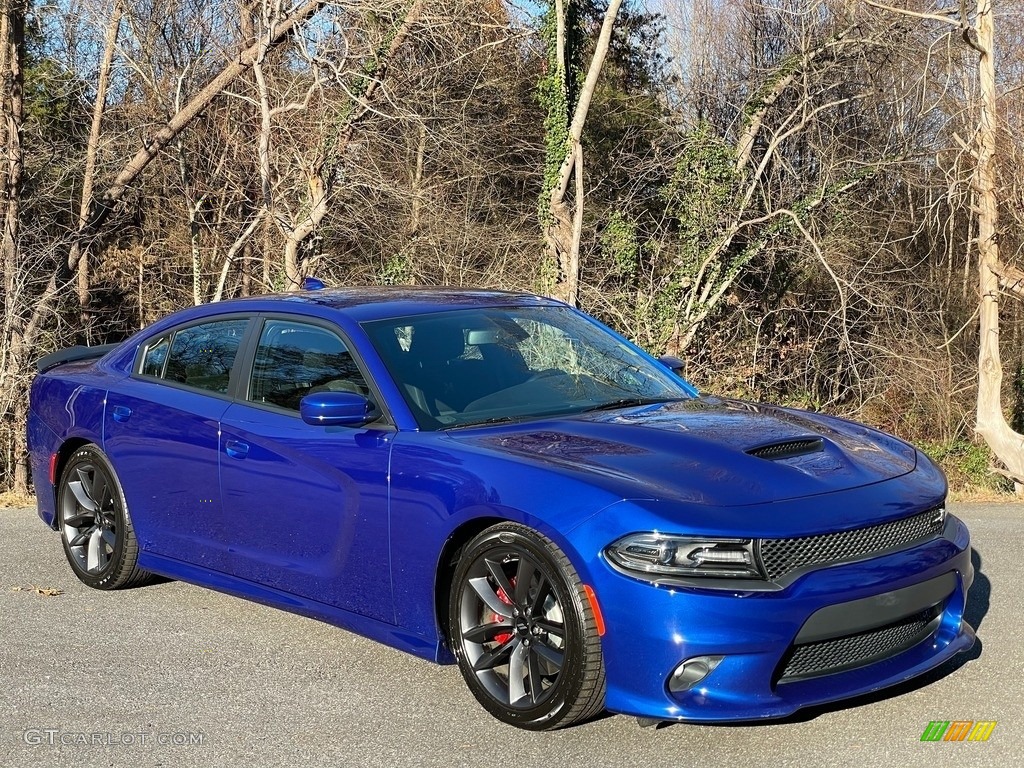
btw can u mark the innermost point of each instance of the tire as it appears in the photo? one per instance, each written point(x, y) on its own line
point(99, 541)
point(524, 632)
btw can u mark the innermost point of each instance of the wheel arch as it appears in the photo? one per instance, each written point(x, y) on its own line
point(457, 540)
point(64, 453)
point(449, 558)
point(577, 690)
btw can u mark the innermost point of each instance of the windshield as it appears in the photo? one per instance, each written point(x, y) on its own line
point(497, 364)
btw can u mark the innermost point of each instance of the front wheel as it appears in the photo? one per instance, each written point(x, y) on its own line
point(524, 632)
point(99, 541)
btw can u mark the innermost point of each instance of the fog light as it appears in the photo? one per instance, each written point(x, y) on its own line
point(691, 672)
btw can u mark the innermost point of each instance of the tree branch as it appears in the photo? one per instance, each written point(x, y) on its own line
point(101, 209)
point(949, 17)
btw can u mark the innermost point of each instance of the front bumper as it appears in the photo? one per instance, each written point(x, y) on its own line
point(651, 630)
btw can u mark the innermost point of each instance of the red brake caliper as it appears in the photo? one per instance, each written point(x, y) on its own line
point(496, 618)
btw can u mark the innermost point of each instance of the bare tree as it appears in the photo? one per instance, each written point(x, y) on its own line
point(12, 53)
point(562, 229)
point(91, 152)
point(1005, 442)
point(103, 206)
point(22, 341)
point(326, 143)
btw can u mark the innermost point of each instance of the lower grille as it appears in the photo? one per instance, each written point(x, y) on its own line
point(842, 653)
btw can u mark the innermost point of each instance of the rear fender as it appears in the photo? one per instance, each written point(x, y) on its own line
point(63, 416)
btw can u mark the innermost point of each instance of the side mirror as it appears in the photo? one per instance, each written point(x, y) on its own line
point(673, 363)
point(336, 409)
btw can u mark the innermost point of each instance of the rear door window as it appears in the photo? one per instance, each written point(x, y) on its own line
point(199, 356)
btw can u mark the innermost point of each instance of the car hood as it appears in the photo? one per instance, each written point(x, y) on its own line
point(706, 450)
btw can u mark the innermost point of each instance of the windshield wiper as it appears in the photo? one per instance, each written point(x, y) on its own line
point(625, 402)
point(629, 402)
point(492, 420)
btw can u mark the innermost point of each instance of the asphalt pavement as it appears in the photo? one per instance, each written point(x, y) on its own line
point(176, 675)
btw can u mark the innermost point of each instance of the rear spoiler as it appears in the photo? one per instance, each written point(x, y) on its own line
point(71, 354)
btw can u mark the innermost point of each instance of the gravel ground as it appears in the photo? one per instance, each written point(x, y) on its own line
point(176, 675)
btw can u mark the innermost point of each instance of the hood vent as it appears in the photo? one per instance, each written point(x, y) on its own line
point(788, 449)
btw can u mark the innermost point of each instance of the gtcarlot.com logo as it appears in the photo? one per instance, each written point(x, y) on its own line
point(54, 737)
point(958, 730)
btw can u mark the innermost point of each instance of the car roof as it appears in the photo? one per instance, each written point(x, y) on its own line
point(377, 302)
point(388, 301)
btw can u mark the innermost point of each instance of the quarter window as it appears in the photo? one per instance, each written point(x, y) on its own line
point(156, 356)
point(297, 359)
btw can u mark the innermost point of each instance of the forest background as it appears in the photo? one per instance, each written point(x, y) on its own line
point(794, 196)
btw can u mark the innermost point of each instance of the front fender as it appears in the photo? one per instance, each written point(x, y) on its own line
point(437, 488)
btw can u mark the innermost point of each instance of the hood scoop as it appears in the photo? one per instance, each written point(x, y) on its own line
point(788, 449)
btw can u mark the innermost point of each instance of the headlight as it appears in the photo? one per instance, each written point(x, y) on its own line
point(650, 554)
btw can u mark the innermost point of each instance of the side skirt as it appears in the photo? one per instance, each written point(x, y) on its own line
point(428, 648)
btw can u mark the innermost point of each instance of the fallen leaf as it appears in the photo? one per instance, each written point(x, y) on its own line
point(47, 591)
point(42, 591)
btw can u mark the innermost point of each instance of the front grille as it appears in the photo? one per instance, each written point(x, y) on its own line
point(781, 556)
point(842, 653)
point(788, 449)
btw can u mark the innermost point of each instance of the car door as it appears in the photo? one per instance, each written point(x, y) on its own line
point(306, 506)
point(161, 431)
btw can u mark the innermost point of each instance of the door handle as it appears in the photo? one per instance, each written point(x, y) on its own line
point(236, 449)
point(122, 413)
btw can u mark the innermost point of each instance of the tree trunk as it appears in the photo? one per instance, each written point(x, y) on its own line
point(246, 287)
point(241, 242)
point(757, 111)
point(91, 151)
point(12, 373)
point(318, 200)
point(415, 226)
point(1006, 444)
point(12, 39)
point(564, 230)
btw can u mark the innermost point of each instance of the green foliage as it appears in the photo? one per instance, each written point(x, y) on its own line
point(757, 101)
point(552, 96)
point(619, 241)
point(557, 90)
point(397, 270)
point(700, 196)
point(546, 279)
point(703, 185)
point(967, 465)
point(55, 99)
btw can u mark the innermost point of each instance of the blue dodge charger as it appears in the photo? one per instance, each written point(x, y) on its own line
point(498, 480)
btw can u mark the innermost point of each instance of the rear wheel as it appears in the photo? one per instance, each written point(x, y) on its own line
point(97, 532)
point(524, 632)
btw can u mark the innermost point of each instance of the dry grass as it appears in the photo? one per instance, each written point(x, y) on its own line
point(12, 499)
point(982, 495)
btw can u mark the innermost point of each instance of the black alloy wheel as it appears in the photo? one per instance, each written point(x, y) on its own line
point(524, 632)
point(97, 533)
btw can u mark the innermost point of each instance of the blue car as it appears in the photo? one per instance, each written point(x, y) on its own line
point(498, 480)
